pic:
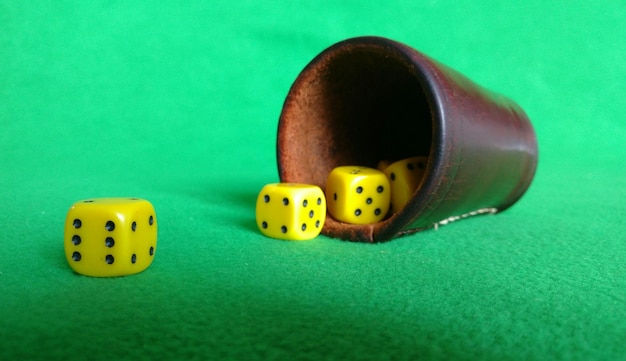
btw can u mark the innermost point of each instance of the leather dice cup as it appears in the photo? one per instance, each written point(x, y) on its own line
point(369, 99)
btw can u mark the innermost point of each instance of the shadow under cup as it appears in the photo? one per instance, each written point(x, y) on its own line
point(369, 99)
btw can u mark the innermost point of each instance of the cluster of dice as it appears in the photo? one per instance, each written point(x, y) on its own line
point(107, 237)
point(354, 194)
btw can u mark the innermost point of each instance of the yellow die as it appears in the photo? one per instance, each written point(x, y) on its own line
point(291, 211)
point(357, 195)
point(107, 237)
point(405, 177)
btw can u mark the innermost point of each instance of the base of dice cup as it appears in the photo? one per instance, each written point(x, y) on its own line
point(369, 99)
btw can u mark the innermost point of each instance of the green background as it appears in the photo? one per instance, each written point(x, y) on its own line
point(179, 104)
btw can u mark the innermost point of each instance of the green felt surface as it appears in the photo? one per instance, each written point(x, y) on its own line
point(178, 104)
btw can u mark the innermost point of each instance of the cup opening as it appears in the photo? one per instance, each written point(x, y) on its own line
point(355, 104)
point(356, 107)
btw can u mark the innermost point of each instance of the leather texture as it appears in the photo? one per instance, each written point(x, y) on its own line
point(369, 99)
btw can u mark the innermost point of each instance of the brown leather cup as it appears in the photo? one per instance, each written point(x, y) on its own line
point(369, 99)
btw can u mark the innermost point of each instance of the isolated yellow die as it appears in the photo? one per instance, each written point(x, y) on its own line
point(291, 211)
point(405, 177)
point(107, 237)
point(357, 195)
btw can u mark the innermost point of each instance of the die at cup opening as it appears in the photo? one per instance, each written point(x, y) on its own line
point(357, 103)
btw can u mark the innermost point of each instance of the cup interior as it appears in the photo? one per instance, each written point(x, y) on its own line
point(355, 105)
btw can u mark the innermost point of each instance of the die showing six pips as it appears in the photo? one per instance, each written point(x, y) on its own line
point(108, 237)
